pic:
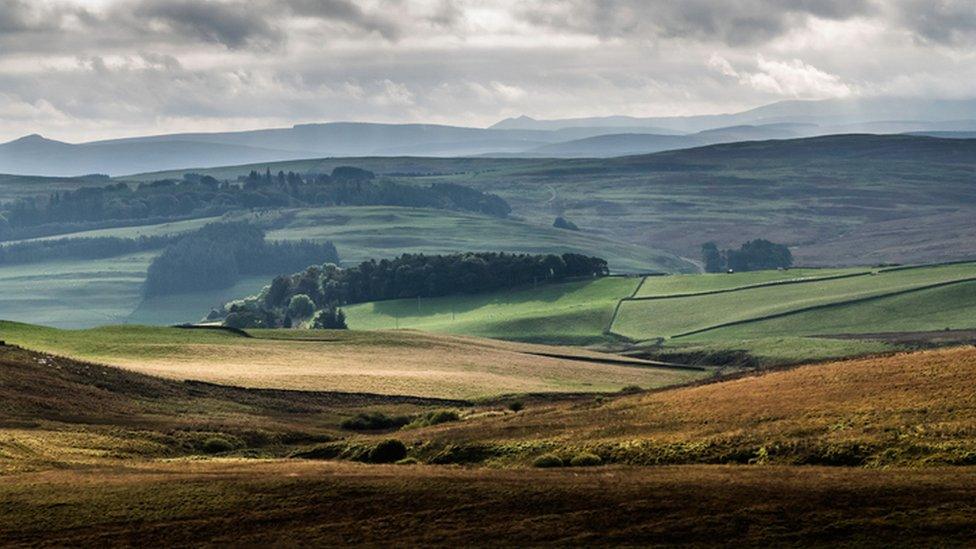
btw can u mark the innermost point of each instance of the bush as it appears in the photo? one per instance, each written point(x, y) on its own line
point(548, 460)
point(374, 421)
point(388, 451)
point(435, 417)
point(217, 445)
point(586, 459)
point(516, 406)
point(631, 389)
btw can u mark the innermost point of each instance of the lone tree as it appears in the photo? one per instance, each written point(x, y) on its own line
point(301, 306)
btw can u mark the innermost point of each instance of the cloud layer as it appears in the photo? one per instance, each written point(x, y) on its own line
point(81, 70)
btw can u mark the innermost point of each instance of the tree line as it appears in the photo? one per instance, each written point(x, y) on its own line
point(218, 254)
point(201, 196)
point(327, 288)
point(755, 255)
point(38, 251)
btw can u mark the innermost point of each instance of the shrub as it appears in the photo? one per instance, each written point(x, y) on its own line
point(548, 460)
point(374, 421)
point(516, 406)
point(631, 389)
point(388, 451)
point(586, 459)
point(217, 445)
point(435, 417)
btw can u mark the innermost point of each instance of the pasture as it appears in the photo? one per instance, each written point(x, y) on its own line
point(85, 293)
point(673, 317)
point(384, 362)
point(567, 313)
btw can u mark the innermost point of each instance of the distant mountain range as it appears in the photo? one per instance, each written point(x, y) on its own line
point(522, 136)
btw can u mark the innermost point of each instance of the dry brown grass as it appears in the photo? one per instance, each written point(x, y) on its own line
point(400, 363)
point(913, 407)
point(288, 503)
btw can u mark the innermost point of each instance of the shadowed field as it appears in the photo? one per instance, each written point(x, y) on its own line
point(189, 503)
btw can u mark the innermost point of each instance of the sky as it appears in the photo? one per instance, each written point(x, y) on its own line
point(81, 70)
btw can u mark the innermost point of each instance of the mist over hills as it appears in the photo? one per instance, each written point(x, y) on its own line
point(516, 137)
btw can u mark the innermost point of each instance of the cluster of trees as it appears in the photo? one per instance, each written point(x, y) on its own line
point(329, 287)
point(37, 251)
point(755, 255)
point(197, 196)
point(218, 254)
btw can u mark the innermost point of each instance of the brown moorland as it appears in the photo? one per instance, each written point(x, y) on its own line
point(911, 408)
point(193, 503)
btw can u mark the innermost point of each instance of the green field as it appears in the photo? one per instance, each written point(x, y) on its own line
point(73, 293)
point(361, 233)
point(803, 303)
point(569, 313)
point(84, 293)
point(642, 319)
point(717, 282)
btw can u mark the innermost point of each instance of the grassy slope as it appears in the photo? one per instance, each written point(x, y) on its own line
point(89, 438)
point(820, 195)
point(645, 319)
point(690, 284)
point(951, 307)
point(569, 313)
point(79, 293)
point(377, 232)
point(913, 408)
point(73, 293)
point(375, 362)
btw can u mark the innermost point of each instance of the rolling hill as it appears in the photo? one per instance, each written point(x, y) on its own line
point(85, 293)
point(906, 409)
point(836, 200)
point(412, 363)
point(95, 455)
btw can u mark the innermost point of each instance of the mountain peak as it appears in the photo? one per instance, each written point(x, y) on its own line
point(32, 139)
point(518, 122)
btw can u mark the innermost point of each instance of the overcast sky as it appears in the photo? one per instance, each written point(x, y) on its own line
point(80, 70)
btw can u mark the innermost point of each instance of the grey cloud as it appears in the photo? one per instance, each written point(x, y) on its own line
point(940, 21)
point(345, 11)
point(735, 22)
point(233, 25)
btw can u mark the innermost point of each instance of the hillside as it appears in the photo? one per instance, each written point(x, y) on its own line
point(836, 200)
point(573, 313)
point(412, 363)
point(913, 408)
point(624, 144)
point(84, 293)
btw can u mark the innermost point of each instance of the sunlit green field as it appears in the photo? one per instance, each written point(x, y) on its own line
point(671, 317)
point(569, 313)
point(716, 282)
